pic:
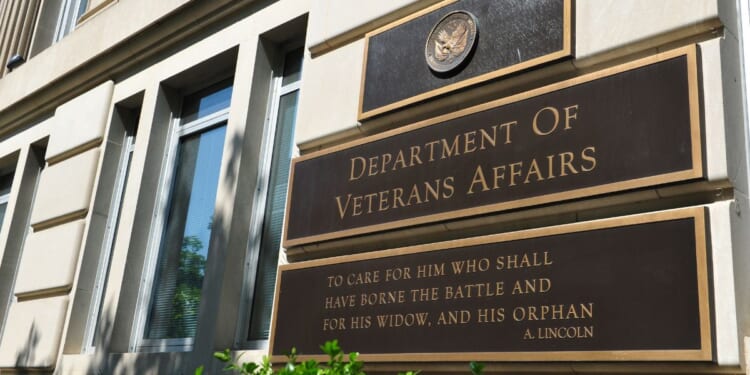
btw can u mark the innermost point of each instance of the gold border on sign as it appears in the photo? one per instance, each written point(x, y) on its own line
point(690, 52)
point(704, 353)
point(564, 52)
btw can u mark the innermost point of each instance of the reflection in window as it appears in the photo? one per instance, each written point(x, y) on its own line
point(175, 299)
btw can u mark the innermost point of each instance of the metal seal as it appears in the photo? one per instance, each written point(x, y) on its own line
point(451, 41)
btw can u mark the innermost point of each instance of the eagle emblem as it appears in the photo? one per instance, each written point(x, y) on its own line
point(450, 41)
point(451, 45)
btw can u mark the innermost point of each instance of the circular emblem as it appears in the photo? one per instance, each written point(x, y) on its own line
point(450, 41)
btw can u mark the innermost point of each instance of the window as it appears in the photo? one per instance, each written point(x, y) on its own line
point(5, 183)
point(123, 132)
point(284, 110)
point(29, 169)
point(57, 18)
point(194, 159)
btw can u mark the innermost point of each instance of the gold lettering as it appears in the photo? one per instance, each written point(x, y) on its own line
point(431, 146)
point(357, 205)
point(362, 162)
point(432, 191)
point(454, 317)
point(398, 193)
point(399, 160)
point(369, 198)
point(554, 312)
point(571, 112)
point(497, 176)
point(470, 141)
point(415, 150)
point(491, 315)
point(490, 138)
point(383, 200)
point(478, 179)
point(535, 124)
point(533, 169)
point(385, 161)
point(589, 157)
point(527, 335)
point(344, 208)
point(333, 324)
point(506, 126)
point(425, 294)
point(452, 150)
point(448, 189)
point(566, 158)
point(373, 168)
point(550, 166)
point(414, 195)
point(514, 172)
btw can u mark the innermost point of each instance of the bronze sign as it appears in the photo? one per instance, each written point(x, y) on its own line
point(631, 288)
point(451, 41)
point(630, 126)
point(400, 68)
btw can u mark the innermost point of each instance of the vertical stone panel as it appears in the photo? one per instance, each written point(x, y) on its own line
point(32, 335)
point(80, 123)
point(49, 258)
point(65, 190)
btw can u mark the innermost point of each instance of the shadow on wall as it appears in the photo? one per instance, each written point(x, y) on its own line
point(176, 363)
point(107, 363)
point(25, 356)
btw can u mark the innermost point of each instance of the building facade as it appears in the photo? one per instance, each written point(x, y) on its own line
point(146, 150)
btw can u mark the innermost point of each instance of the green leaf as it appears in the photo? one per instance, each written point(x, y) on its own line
point(476, 368)
point(199, 370)
point(223, 356)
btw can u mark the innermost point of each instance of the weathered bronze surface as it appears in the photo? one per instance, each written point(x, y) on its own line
point(513, 35)
point(451, 41)
point(626, 127)
point(631, 288)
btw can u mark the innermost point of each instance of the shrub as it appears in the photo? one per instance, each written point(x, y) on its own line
point(336, 364)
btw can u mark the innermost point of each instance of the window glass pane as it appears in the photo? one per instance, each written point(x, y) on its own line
point(206, 102)
point(173, 311)
point(5, 185)
point(101, 285)
point(270, 242)
point(81, 9)
point(70, 12)
point(3, 207)
point(293, 66)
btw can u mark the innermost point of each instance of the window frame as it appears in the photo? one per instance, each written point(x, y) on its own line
point(65, 21)
point(5, 198)
point(253, 250)
point(28, 167)
point(177, 131)
point(112, 223)
point(70, 13)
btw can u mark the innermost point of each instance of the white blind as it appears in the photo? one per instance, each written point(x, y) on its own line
point(270, 243)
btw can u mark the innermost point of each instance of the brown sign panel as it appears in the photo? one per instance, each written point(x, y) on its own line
point(630, 288)
point(429, 53)
point(630, 126)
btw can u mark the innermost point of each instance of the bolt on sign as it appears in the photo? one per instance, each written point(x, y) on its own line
point(630, 126)
point(628, 288)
